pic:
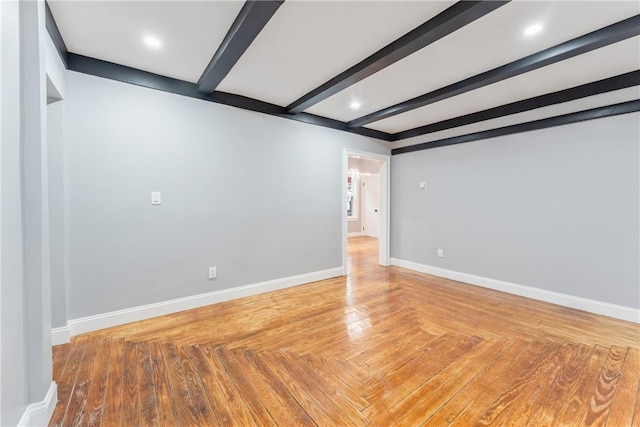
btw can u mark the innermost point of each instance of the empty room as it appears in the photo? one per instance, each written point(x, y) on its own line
point(319, 213)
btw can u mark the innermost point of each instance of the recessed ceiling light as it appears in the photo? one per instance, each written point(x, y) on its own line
point(152, 42)
point(532, 30)
point(355, 105)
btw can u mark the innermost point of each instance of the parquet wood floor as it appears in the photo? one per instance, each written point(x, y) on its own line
point(382, 346)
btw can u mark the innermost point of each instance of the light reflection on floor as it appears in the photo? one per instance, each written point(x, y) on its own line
point(360, 251)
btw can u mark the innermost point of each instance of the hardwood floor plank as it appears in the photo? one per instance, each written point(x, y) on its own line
point(298, 390)
point(67, 380)
point(294, 415)
point(388, 390)
point(577, 405)
point(112, 410)
point(604, 390)
point(240, 376)
point(131, 404)
point(78, 399)
point(627, 393)
point(167, 414)
point(349, 402)
point(465, 407)
point(563, 384)
point(505, 402)
point(351, 372)
point(382, 346)
point(187, 410)
point(146, 386)
point(210, 385)
point(336, 382)
point(98, 386)
point(422, 403)
point(239, 410)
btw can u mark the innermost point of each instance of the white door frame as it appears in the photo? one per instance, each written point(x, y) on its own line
point(384, 231)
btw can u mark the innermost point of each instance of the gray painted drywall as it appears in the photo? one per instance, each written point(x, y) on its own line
point(57, 222)
point(25, 347)
point(555, 209)
point(257, 196)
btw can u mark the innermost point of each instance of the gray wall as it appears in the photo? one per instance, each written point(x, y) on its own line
point(57, 199)
point(257, 196)
point(555, 209)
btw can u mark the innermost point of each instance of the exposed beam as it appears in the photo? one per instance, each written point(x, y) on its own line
point(621, 81)
point(580, 116)
point(121, 73)
point(252, 18)
point(56, 37)
point(452, 19)
point(605, 36)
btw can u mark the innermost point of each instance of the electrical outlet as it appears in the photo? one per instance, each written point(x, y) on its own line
point(440, 253)
point(212, 273)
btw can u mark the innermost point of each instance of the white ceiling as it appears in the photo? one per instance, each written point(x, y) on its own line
point(306, 43)
point(493, 40)
point(190, 32)
point(612, 60)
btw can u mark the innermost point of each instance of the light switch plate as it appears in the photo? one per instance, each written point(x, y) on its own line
point(156, 198)
point(423, 185)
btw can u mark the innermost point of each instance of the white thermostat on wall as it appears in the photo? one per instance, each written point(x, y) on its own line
point(156, 198)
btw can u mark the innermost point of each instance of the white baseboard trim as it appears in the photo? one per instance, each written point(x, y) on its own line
point(39, 414)
point(355, 234)
point(598, 307)
point(60, 335)
point(134, 314)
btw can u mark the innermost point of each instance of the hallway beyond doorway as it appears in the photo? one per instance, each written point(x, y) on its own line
point(362, 253)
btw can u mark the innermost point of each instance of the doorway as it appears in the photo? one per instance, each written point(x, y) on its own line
point(366, 204)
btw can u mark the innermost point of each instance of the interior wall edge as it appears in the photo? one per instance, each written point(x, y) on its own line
point(39, 413)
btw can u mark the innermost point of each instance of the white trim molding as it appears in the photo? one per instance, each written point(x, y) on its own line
point(134, 314)
point(598, 307)
point(355, 234)
point(39, 414)
point(61, 335)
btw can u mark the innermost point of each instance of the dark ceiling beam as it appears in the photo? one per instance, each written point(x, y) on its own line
point(580, 116)
point(121, 73)
point(54, 33)
point(621, 81)
point(452, 19)
point(252, 18)
point(605, 36)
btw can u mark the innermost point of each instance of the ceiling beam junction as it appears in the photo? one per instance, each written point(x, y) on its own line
point(252, 18)
point(603, 37)
point(565, 119)
point(610, 84)
point(450, 20)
